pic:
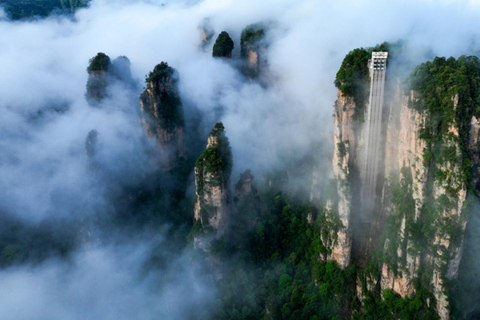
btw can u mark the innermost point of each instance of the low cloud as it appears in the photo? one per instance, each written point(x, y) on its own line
point(45, 120)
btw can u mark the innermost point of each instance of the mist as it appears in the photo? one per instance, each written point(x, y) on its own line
point(47, 184)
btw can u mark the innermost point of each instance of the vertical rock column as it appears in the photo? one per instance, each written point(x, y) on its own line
point(162, 113)
point(345, 153)
point(253, 49)
point(98, 78)
point(212, 177)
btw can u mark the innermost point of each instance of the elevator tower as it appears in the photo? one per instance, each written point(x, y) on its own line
point(377, 66)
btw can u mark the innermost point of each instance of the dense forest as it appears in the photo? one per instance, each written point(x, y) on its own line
point(22, 9)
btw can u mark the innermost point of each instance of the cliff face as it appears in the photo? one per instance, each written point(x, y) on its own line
point(474, 147)
point(421, 210)
point(253, 49)
point(431, 196)
point(162, 113)
point(346, 142)
point(212, 178)
point(404, 149)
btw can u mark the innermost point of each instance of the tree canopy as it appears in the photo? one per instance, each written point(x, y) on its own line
point(101, 62)
point(223, 46)
point(21, 9)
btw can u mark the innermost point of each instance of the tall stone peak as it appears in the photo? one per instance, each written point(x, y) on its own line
point(245, 186)
point(97, 78)
point(162, 113)
point(212, 178)
point(206, 32)
point(247, 206)
point(426, 167)
point(91, 144)
point(102, 73)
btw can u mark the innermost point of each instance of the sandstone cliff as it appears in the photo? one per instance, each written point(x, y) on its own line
point(212, 178)
point(162, 113)
point(346, 142)
point(421, 209)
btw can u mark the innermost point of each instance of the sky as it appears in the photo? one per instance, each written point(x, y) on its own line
point(45, 119)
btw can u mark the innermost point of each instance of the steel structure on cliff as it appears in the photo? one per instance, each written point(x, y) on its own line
point(377, 66)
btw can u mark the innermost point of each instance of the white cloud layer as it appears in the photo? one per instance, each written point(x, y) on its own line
point(43, 167)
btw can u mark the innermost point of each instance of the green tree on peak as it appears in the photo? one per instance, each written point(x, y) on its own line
point(223, 46)
point(161, 71)
point(218, 128)
point(101, 62)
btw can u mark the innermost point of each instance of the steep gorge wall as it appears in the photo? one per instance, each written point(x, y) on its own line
point(404, 149)
point(421, 213)
point(346, 154)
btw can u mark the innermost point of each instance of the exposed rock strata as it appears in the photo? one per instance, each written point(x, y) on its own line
point(404, 167)
point(346, 154)
point(212, 178)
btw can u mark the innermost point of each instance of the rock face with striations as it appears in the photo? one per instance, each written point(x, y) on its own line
point(429, 160)
point(346, 142)
point(162, 113)
point(212, 177)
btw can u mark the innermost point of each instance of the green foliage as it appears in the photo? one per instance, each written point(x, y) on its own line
point(352, 78)
point(392, 306)
point(97, 83)
point(101, 62)
point(278, 274)
point(161, 73)
point(33, 244)
point(450, 96)
point(217, 158)
point(342, 149)
point(223, 46)
point(404, 204)
point(71, 5)
point(21, 9)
